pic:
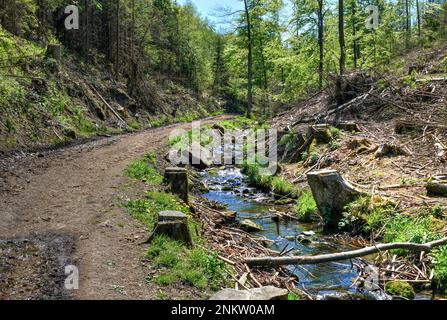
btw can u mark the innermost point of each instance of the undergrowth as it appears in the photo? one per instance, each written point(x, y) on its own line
point(192, 266)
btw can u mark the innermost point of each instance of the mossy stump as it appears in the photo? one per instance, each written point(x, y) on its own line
point(321, 133)
point(173, 224)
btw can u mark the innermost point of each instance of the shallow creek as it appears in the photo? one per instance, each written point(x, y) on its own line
point(229, 186)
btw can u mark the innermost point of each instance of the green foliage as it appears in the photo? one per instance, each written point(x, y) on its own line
point(143, 170)
point(282, 187)
point(146, 210)
point(367, 214)
point(440, 267)
point(400, 289)
point(306, 207)
point(195, 267)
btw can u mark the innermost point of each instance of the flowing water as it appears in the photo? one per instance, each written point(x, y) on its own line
point(229, 186)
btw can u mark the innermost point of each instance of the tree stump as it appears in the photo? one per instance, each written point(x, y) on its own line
point(348, 126)
point(405, 126)
point(174, 225)
point(178, 180)
point(54, 52)
point(321, 133)
point(331, 193)
point(437, 189)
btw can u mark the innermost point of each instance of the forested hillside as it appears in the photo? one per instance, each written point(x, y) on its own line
point(131, 64)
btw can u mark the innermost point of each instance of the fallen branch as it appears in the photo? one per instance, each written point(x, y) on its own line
point(109, 107)
point(277, 261)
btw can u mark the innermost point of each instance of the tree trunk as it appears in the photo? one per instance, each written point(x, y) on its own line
point(419, 19)
point(249, 61)
point(320, 43)
point(331, 257)
point(341, 36)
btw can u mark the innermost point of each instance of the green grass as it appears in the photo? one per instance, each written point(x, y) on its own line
point(178, 264)
point(440, 268)
point(282, 187)
point(367, 214)
point(146, 210)
point(410, 229)
point(306, 207)
point(143, 170)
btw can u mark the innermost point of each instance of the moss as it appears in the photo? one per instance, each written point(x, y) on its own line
point(400, 289)
point(306, 207)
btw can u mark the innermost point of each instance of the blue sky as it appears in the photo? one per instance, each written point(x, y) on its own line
point(208, 7)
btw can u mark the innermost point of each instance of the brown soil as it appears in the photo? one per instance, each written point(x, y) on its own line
point(62, 207)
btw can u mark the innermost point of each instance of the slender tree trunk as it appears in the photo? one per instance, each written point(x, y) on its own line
point(249, 61)
point(117, 37)
point(408, 22)
point(341, 36)
point(320, 43)
point(419, 19)
point(354, 33)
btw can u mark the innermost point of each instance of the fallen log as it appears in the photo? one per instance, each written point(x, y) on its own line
point(332, 257)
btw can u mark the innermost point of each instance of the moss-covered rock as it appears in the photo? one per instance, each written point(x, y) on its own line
point(400, 289)
point(250, 226)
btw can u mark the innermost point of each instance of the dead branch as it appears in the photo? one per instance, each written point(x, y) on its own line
point(277, 261)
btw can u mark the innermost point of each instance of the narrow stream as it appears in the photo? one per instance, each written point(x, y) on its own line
point(229, 186)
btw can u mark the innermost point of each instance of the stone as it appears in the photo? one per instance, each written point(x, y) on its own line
point(437, 189)
point(331, 193)
point(250, 226)
point(177, 178)
point(173, 224)
point(230, 215)
point(400, 289)
point(262, 293)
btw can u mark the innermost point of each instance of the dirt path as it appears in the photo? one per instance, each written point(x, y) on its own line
point(61, 208)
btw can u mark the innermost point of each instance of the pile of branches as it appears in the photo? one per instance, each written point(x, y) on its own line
point(233, 245)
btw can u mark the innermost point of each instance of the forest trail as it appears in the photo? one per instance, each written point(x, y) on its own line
point(69, 198)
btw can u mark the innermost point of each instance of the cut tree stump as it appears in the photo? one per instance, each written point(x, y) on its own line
point(173, 224)
point(349, 126)
point(178, 180)
point(389, 150)
point(54, 52)
point(437, 189)
point(331, 193)
point(321, 133)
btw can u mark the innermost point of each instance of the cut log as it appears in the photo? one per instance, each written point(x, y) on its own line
point(331, 193)
point(332, 257)
point(173, 224)
point(178, 181)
